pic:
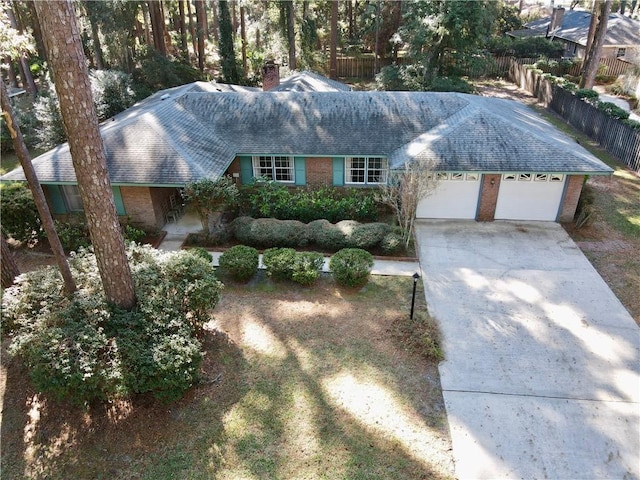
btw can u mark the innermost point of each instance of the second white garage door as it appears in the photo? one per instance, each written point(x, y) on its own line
point(529, 196)
point(456, 197)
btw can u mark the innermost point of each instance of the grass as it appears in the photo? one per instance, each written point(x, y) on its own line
point(8, 161)
point(313, 383)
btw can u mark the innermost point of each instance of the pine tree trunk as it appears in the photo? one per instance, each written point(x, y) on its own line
point(9, 267)
point(37, 33)
point(25, 72)
point(216, 22)
point(201, 20)
point(243, 38)
point(67, 61)
point(291, 35)
point(592, 60)
point(333, 61)
point(183, 31)
point(36, 190)
point(192, 29)
point(157, 27)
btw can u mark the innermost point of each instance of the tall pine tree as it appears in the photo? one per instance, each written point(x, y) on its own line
point(225, 47)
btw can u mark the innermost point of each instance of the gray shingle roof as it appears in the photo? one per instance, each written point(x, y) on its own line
point(190, 132)
point(621, 29)
point(307, 81)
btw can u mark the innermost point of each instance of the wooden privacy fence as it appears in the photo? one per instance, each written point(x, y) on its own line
point(364, 67)
point(617, 138)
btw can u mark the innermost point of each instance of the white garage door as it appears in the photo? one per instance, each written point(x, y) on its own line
point(529, 196)
point(456, 197)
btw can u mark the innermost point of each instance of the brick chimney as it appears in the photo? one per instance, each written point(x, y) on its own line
point(270, 75)
point(556, 20)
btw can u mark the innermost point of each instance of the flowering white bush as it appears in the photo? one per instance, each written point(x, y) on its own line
point(83, 348)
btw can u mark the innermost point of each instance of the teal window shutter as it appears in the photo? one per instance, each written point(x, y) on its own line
point(246, 169)
point(117, 196)
point(57, 200)
point(300, 170)
point(338, 171)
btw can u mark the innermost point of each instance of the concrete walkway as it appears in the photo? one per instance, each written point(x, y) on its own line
point(190, 223)
point(542, 370)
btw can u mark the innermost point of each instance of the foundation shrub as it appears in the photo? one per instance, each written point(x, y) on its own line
point(351, 267)
point(270, 199)
point(392, 243)
point(240, 262)
point(326, 235)
point(368, 235)
point(270, 232)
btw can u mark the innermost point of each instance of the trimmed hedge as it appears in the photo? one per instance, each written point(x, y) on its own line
point(270, 232)
point(351, 267)
point(240, 262)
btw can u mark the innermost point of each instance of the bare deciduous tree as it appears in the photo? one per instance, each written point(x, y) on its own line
point(404, 190)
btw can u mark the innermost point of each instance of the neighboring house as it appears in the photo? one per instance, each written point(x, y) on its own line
point(497, 159)
point(572, 28)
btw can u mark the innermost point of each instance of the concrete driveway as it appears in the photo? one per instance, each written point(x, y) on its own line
point(542, 370)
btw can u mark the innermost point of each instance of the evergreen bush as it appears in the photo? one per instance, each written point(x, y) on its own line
point(326, 235)
point(279, 262)
point(83, 349)
point(351, 267)
point(20, 218)
point(240, 262)
point(270, 232)
point(307, 267)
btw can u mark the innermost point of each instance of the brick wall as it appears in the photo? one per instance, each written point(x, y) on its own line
point(570, 198)
point(144, 205)
point(319, 171)
point(488, 197)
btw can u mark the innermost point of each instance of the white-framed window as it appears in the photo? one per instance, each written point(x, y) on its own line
point(72, 198)
point(509, 177)
point(621, 52)
point(556, 177)
point(278, 168)
point(457, 176)
point(366, 170)
point(472, 177)
point(442, 176)
point(541, 177)
point(524, 177)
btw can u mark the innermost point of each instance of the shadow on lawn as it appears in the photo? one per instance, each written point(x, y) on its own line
point(304, 383)
point(141, 438)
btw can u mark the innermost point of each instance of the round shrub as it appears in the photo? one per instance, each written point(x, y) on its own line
point(279, 262)
point(306, 267)
point(200, 252)
point(391, 243)
point(83, 349)
point(351, 267)
point(240, 262)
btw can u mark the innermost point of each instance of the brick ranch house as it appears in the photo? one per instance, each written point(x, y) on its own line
point(497, 159)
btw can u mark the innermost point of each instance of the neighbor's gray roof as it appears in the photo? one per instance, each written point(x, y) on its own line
point(621, 29)
point(188, 133)
point(307, 81)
